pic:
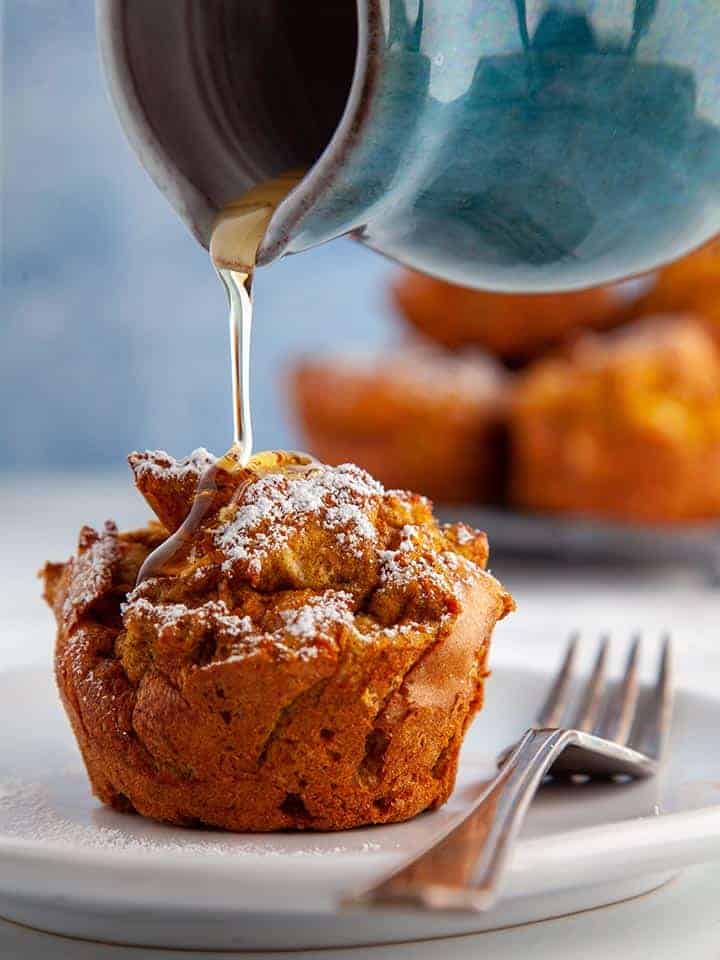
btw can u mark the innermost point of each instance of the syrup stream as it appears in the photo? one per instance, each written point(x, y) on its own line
point(239, 292)
point(234, 244)
point(235, 241)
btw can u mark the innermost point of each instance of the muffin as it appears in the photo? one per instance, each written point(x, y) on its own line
point(306, 651)
point(417, 419)
point(626, 426)
point(689, 286)
point(512, 326)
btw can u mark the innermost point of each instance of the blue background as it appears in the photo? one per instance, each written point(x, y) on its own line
point(113, 331)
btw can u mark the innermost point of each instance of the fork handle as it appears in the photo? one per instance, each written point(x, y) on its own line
point(479, 845)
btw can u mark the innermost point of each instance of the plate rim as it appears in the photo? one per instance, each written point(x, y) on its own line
point(557, 860)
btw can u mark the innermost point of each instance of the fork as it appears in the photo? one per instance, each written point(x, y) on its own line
point(607, 737)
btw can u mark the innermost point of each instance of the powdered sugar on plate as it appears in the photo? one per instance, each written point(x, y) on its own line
point(59, 811)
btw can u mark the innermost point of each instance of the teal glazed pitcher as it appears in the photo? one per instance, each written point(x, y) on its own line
point(517, 145)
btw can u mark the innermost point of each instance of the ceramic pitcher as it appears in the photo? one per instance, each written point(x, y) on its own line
point(506, 144)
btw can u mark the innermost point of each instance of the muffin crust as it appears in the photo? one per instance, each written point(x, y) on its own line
point(514, 327)
point(310, 660)
point(626, 426)
point(416, 418)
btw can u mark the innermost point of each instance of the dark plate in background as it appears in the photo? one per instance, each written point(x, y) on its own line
point(578, 539)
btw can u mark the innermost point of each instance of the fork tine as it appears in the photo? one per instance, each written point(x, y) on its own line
point(620, 712)
point(554, 707)
point(591, 700)
point(656, 717)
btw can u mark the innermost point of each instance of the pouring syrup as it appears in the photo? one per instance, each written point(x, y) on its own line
point(234, 244)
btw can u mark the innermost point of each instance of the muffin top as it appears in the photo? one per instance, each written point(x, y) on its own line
point(660, 377)
point(689, 285)
point(364, 392)
point(289, 646)
point(285, 559)
point(513, 326)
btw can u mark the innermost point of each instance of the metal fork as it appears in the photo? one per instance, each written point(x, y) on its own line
point(608, 736)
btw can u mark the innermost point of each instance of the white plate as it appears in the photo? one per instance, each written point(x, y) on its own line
point(70, 866)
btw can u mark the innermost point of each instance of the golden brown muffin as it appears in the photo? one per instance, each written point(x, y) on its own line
point(626, 426)
point(309, 658)
point(690, 285)
point(169, 499)
point(515, 327)
point(417, 419)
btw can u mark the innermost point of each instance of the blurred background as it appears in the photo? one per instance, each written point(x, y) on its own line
point(113, 331)
point(603, 403)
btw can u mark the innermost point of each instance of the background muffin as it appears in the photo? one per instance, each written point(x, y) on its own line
point(513, 327)
point(689, 286)
point(626, 426)
point(416, 419)
point(438, 420)
point(309, 659)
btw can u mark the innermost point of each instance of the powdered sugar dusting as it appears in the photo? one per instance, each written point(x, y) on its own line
point(329, 609)
point(464, 534)
point(336, 508)
point(338, 498)
point(92, 573)
point(406, 564)
point(315, 620)
point(302, 629)
point(173, 616)
point(161, 465)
